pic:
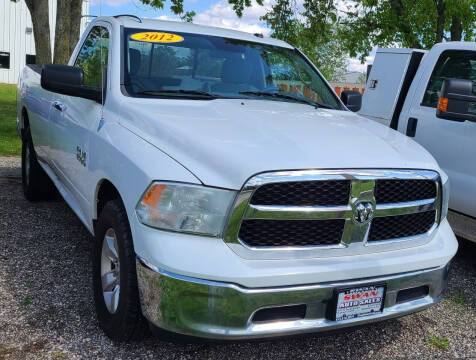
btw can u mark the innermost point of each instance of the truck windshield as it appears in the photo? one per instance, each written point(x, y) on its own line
point(184, 65)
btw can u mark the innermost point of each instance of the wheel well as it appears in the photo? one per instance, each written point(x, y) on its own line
point(107, 192)
point(26, 121)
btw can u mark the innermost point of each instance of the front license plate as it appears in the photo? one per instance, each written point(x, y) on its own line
point(359, 302)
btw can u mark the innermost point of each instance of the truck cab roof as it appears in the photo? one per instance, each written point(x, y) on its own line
point(166, 25)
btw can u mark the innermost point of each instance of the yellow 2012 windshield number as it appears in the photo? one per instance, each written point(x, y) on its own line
point(157, 37)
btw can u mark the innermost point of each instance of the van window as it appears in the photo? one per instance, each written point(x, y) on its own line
point(459, 64)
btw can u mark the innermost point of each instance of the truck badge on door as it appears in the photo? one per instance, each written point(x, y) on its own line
point(81, 155)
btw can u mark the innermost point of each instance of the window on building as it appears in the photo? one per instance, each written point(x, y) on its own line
point(4, 60)
point(30, 59)
point(92, 57)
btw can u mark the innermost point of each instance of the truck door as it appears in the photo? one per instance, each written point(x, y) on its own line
point(79, 118)
point(452, 143)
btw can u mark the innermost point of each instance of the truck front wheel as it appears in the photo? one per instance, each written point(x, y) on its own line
point(36, 184)
point(116, 293)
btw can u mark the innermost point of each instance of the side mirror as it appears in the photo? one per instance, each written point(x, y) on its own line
point(68, 80)
point(455, 97)
point(352, 99)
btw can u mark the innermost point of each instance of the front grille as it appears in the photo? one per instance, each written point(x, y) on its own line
point(394, 227)
point(318, 210)
point(260, 233)
point(303, 193)
point(403, 190)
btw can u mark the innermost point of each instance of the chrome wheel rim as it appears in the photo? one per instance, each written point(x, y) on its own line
point(27, 165)
point(110, 271)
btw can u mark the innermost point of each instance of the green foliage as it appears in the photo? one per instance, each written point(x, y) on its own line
point(313, 31)
point(60, 355)
point(441, 343)
point(459, 300)
point(176, 7)
point(407, 23)
point(10, 143)
point(27, 301)
point(239, 5)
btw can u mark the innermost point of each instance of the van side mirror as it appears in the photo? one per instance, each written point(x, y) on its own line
point(68, 80)
point(455, 97)
point(352, 99)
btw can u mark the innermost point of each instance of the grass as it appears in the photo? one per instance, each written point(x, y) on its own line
point(460, 299)
point(27, 301)
point(10, 143)
point(442, 343)
point(60, 355)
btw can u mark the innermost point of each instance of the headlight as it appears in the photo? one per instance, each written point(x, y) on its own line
point(445, 181)
point(185, 208)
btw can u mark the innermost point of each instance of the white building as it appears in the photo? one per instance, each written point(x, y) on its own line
point(17, 46)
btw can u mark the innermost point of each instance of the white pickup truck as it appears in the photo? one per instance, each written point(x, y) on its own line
point(230, 192)
point(404, 91)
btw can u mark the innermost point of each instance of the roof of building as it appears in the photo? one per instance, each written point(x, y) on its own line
point(170, 26)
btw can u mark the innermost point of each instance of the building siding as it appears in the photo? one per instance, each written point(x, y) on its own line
point(14, 20)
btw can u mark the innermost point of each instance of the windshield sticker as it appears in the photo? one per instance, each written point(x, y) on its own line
point(159, 37)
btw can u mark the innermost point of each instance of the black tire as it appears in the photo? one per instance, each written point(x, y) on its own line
point(127, 322)
point(36, 184)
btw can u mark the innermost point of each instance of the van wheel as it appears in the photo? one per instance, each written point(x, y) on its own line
point(36, 184)
point(116, 294)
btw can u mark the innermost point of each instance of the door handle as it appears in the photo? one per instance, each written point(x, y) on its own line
point(411, 127)
point(58, 106)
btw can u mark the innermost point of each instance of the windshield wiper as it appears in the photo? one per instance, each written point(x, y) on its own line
point(288, 97)
point(179, 91)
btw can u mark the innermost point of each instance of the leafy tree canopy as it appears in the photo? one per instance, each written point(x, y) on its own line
point(312, 29)
point(358, 25)
point(407, 23)
point(176, 7)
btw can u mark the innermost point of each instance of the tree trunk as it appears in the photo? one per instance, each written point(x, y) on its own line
point(68, 21)
point(456, 29)
point(440, 21)
point(41, 29)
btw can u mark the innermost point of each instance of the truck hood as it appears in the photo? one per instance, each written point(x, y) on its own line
point(223, 142)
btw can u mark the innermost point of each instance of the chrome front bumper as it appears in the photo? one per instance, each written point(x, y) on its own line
point(219, 310)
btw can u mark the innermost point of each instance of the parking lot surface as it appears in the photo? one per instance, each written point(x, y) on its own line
point(47, 310)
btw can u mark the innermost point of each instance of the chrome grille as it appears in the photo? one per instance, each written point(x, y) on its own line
point(303, 193)
point(294, 225)
point(394, 191)
point(401, 226)
point(291, 232)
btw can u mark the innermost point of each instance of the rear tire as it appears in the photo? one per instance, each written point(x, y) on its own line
point(116, 293)
point(36, 183)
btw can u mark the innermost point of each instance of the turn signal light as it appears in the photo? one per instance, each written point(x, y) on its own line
point(443, 104)
point(152, 196)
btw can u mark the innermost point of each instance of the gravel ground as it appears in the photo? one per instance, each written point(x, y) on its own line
point(47, 312)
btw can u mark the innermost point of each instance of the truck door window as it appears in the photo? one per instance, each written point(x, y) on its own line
point(459, 64)
point(93, 56)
